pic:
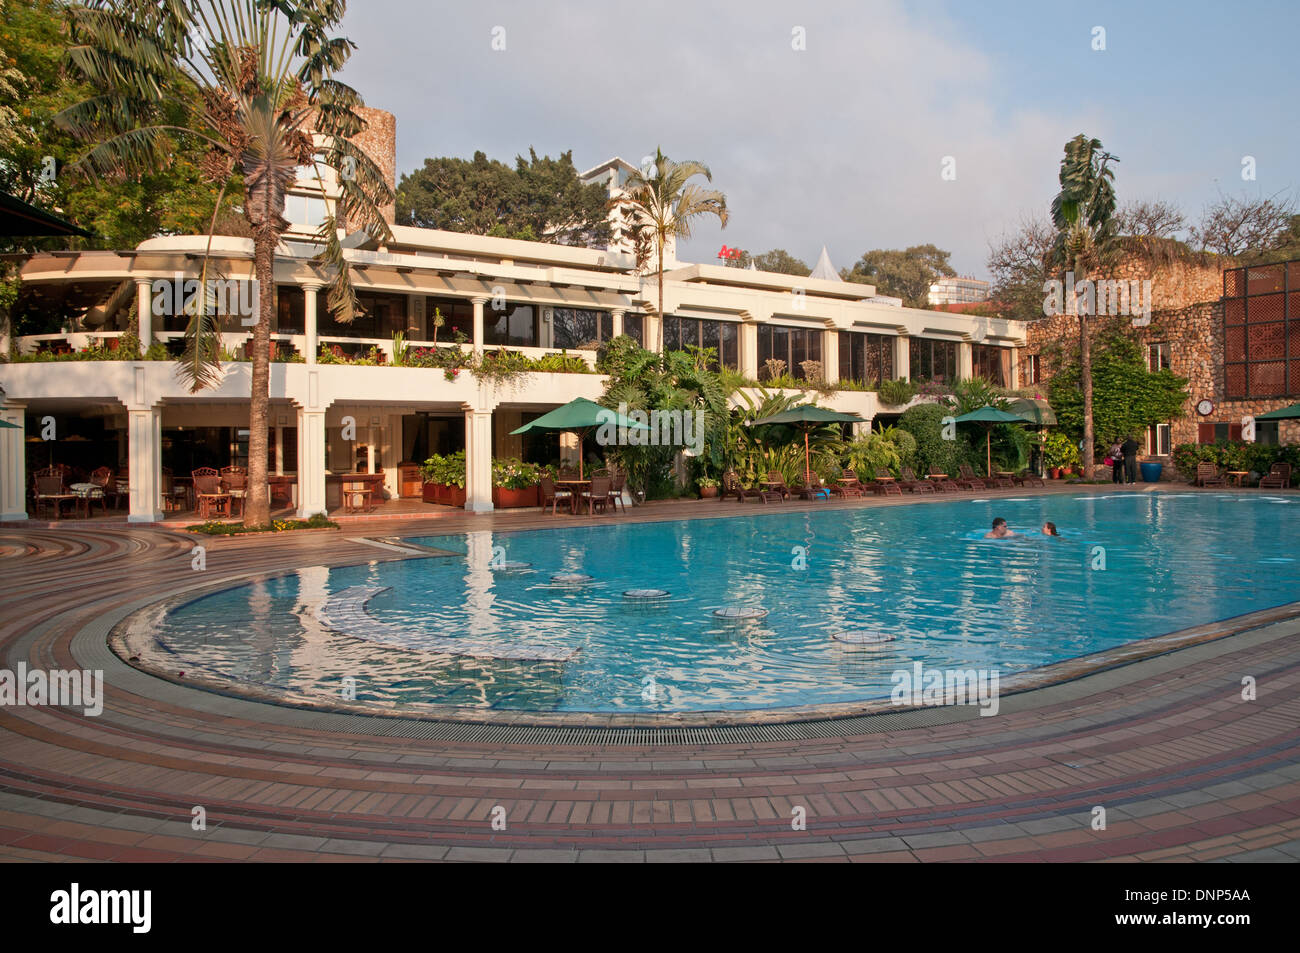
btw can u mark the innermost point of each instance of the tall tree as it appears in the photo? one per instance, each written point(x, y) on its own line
point(663, 204)
point(34, 151)
point(1018, 263)
point(1083, 213)
point(905, 274)
point(250, 80)
point(1244, 227)
point(540, 199)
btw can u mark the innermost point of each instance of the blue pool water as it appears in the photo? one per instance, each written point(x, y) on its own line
point(921, 573)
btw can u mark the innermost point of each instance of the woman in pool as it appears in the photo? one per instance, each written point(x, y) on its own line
point(1049, 529)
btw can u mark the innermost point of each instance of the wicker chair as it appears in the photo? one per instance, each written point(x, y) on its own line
point(50, 491)
point(235, 480)
point(552, 495)
point(1277, 478)
point(211, 499)
point(1207, 474)
point(596, 495)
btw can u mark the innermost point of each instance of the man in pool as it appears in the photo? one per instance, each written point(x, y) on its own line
point(999, 530)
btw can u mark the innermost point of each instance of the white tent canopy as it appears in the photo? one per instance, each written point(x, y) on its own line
point(824, 269)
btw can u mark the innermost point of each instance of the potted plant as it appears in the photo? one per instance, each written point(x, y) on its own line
point(708, 488)
point(1059, 454)
point(514, 483)
point(444, 479)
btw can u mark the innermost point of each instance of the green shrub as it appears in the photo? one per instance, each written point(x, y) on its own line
point(925, 423)
point(897, 392)
point(447, 470)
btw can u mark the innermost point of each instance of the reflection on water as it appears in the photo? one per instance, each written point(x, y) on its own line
point(924, 574)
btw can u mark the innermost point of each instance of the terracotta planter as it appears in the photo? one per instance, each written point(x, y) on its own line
point(1054, 472)
point(708, 492)
point(504, 499)
point(443, 493)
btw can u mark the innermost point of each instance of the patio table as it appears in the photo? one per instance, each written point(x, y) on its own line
point(575, 488)
point(84, 493)
point(1237, 476)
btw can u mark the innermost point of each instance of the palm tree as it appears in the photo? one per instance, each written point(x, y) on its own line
point(247, 82)
point(1083, 214)
point(662, 204)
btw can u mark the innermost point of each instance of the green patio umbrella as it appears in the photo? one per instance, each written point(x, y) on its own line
point(579, 416)
point(805, 417)
point(988, 417)
point(6, 425)
point(1282, 413)
point(1034, 411)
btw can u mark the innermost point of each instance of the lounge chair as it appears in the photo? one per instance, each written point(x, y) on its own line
point(885, 484)
point(909, 482)
point(942, 484)
point(815, 489)
point(850, 485)
point(1277, 478)
point(1029, 479)
point(1207, 474)
point(731, 486)
point(777, 478)
point(968, 480)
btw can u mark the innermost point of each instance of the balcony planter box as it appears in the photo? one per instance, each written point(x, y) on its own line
point(443, 493)
point(504, 499)
point(1150, 472)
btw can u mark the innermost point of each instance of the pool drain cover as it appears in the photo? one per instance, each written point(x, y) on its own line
point(863, 640)
point(570, 579)
point(509, 566)
point(742, 614)
point(645, 594)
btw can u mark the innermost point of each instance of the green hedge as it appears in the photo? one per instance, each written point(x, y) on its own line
point(1235, 455)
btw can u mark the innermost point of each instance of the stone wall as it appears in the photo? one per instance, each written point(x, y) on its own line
point(379, 141)
point(1187, 313)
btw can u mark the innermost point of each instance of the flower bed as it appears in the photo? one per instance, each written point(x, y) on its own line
point(216, 528)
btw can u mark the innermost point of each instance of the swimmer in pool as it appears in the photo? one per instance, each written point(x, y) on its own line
point(1049, 529)
point(999, 530)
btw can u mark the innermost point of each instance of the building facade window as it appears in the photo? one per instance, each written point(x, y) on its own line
point(634, 327)
point(1158, 356)
point(868, 358)
point(790, 345)
point(516, 326)
point(1218, 433)
point(723, 336)
point(580, 329)
point(1159, 440)
point(1033, 369)
point(1261, 331)
point(933, 360)
point(457, 317)
point(991, 363)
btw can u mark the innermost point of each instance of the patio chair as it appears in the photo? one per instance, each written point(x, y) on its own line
point(1277, 478)
point(50, 491)
point(616, 490)
point(212, 500)
point(596, 495)
point(942, 484)
point(731, 486)
point(94, 489)
point(1029, 479)
point(1207, 474)
point(908, 481)
point(357, 496)
point(104, 479)
point(235, 480)
point(553, 496)
point(969, 481)
point(173, 497)
point(885, 484)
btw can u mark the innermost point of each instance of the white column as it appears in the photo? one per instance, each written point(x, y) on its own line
point(311, 462)
point(478, 323)
point(546, 329)
point(965, 361)
point(309, 320)
point(372, 434)
point(144, 312)
point(902, 358)
point(13, 465)
point(749, 350)
point(279, 451)
point(144, 451)
point(478, 461)
point(831, 355)
point(617, 315)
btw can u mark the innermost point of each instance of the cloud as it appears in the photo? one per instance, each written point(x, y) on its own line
point(841, 143)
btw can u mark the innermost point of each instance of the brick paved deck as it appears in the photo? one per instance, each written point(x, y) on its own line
point(1185, 769)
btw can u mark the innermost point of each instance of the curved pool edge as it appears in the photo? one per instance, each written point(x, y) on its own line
point(109, 633)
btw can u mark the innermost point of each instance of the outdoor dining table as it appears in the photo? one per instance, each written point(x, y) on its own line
point(575, 488)
point(85, 492)
point(1237, 476)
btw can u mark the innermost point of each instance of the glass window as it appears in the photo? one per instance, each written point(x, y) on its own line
point(382, 316)
point(988, 362)
point(634, 327)
point(516, 326)
point(574, 328)
point(933, 360)
point(866, 357)
point(457, 316)
point(788, 345)
point(1158, 357)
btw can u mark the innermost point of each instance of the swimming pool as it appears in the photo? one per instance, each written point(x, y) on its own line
point(1127, 566)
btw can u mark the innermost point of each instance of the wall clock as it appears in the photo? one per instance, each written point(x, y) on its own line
point(1205, 407)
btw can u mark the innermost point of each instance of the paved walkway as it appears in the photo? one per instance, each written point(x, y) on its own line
point(1184, 768)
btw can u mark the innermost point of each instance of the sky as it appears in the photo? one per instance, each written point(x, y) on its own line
point(846, 141)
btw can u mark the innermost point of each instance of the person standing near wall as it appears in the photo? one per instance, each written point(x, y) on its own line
point(1130, 451)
